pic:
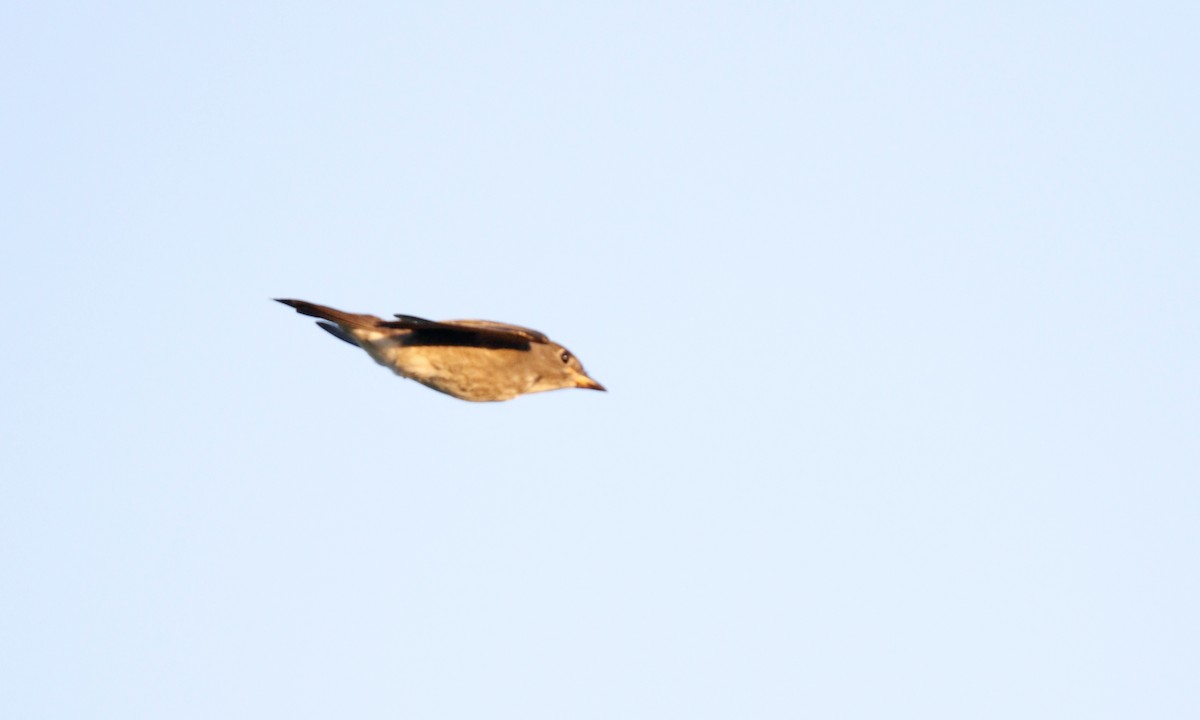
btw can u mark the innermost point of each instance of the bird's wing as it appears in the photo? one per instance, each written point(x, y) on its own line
point(490, 326)
point(479, 333)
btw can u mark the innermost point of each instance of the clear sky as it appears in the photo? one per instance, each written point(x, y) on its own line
point(897, 304)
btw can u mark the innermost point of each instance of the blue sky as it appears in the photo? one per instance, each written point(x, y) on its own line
point(896, 304)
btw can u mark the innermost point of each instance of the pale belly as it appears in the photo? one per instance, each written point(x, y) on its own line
point(468, 373)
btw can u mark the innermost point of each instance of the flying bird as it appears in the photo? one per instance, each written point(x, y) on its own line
point(476, 360)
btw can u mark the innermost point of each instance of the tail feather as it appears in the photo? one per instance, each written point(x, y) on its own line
point(344, 319)
point(338, 332)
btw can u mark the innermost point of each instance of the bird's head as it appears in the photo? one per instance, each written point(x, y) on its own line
point(557, 368)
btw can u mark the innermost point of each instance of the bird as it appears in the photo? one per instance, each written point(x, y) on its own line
point(474, 360)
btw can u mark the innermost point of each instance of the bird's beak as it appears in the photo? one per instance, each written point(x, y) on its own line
point(589, 384)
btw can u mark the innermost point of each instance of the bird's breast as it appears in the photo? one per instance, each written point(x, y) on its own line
point(469, 373)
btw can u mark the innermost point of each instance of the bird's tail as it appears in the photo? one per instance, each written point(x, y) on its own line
point(346, 320)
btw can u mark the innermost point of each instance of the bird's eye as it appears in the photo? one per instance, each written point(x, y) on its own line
point(566, 356)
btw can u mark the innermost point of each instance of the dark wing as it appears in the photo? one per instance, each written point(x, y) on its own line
point(471, 333)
